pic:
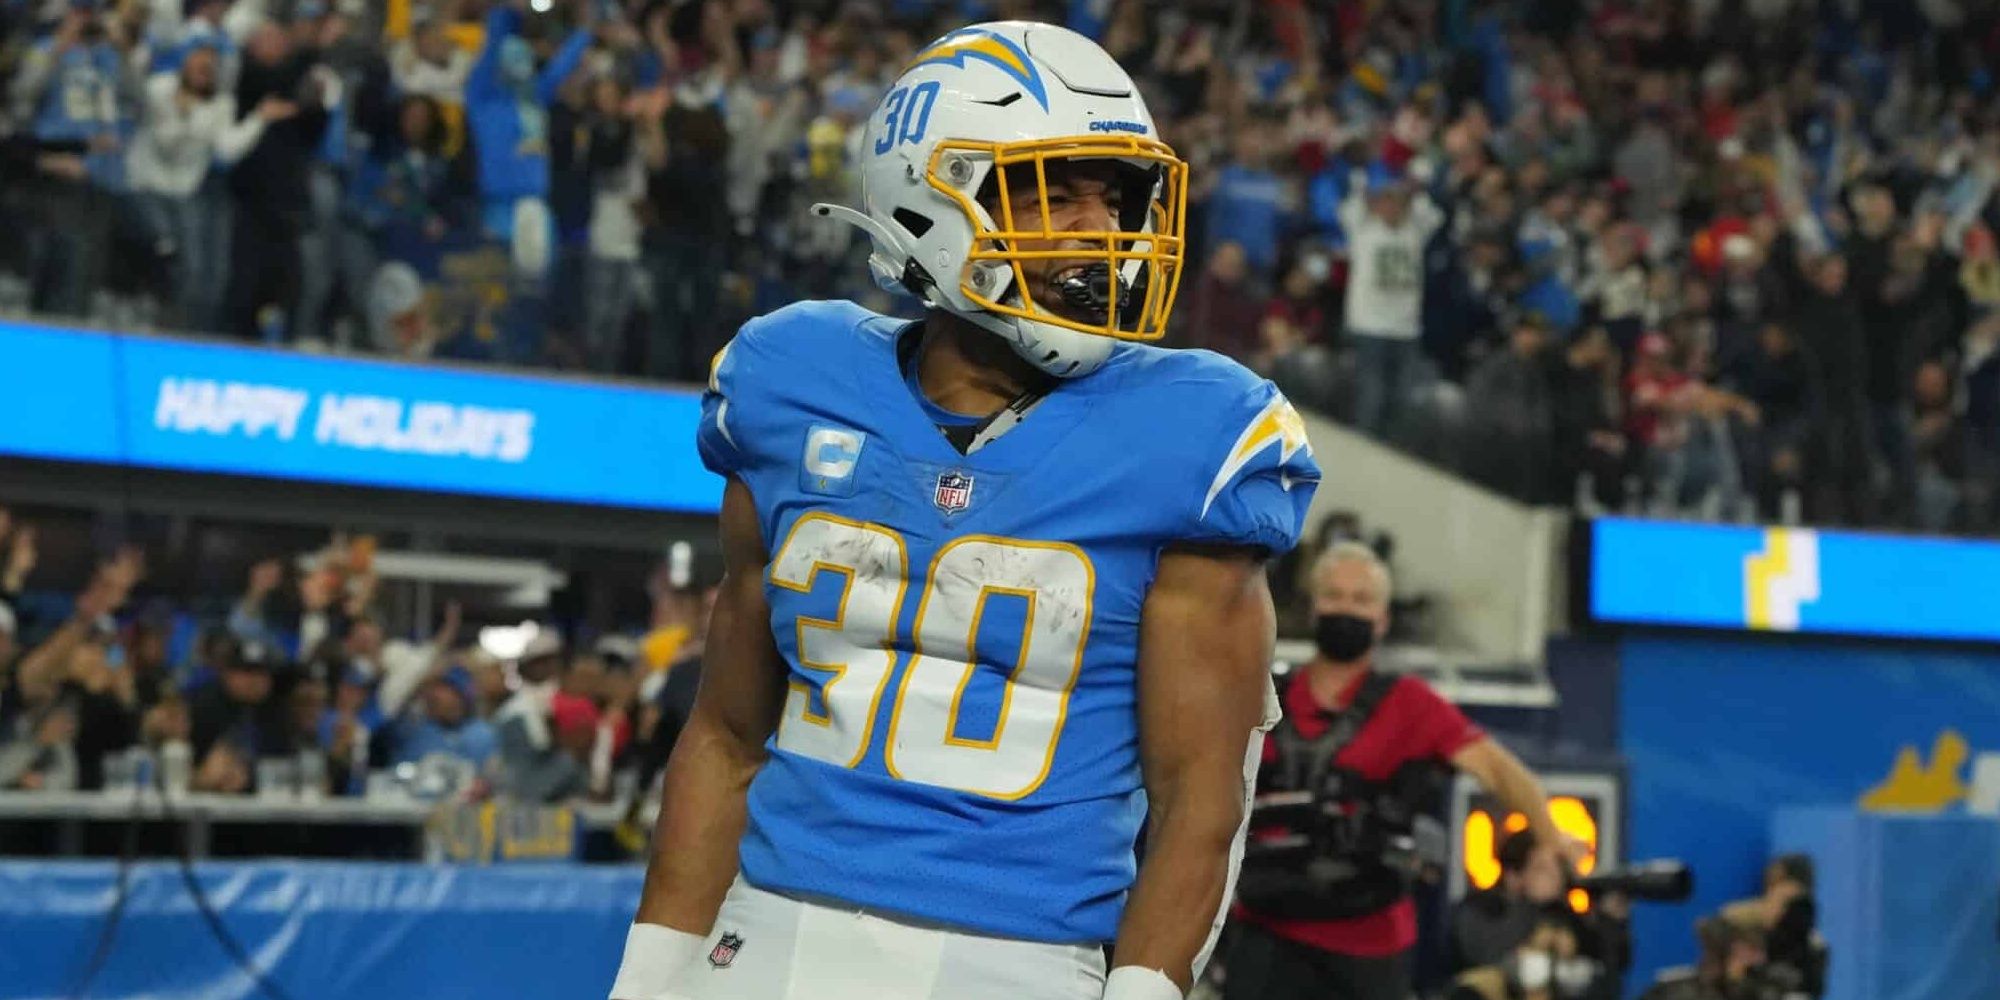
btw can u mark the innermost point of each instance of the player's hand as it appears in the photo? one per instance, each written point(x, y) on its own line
point(1615, 905)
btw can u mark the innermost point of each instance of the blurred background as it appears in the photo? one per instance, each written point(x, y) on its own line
point(349, 373)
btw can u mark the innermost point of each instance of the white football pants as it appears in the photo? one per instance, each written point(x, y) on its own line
point(771, 947)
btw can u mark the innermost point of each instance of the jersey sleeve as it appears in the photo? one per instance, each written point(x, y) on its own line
point(736, 396)
point(1256, 475)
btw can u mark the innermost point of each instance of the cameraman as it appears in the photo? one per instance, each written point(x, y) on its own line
point(1489, 925)
point(1787, 917)
point(1545, 965)
point(1730, 967)
point(1300, 932)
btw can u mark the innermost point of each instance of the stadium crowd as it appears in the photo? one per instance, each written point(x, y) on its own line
point(300, 685)
point(1723, 258)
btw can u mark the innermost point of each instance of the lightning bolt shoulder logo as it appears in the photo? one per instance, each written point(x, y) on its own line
point(990, 48)
point(1277, 424)
point(1781, 579)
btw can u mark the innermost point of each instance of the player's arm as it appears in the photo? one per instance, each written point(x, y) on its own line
point(1204, 672)
point(702, 807)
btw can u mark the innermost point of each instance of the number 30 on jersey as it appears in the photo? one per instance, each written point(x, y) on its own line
point(857, 646)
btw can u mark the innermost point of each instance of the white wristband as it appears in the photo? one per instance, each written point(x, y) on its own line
point(1130, 982)
point(655, 954)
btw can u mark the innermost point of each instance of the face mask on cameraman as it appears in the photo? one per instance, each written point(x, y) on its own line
point(1343, 637)
point(1538, 971)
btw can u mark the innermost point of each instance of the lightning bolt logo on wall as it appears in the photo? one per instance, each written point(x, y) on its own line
point(1781, 579)
point(1914, 785)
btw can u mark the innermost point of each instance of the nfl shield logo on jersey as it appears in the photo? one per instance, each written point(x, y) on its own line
point(954, 492)
point(725, 950)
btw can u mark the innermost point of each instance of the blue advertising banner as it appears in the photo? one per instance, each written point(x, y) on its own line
point(1793, 580)
point(318, 930)
point(200, 407)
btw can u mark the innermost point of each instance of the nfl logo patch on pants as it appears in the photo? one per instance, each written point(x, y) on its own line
point(771, 947)
point(725, 950)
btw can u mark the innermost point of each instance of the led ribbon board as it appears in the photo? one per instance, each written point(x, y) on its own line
point(202, 407)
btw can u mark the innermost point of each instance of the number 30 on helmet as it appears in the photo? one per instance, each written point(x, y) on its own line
point(996, 108)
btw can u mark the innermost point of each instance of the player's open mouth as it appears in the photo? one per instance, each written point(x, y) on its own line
point(1082, 291)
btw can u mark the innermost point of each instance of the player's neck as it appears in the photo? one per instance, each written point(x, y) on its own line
point(1326, 679)
point(965, 369)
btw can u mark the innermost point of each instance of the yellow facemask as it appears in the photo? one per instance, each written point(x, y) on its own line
point(1014, 233)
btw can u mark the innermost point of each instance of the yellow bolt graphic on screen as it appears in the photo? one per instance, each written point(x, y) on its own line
point(1781, 579)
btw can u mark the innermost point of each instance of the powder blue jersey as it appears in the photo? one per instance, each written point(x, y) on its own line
point(960, 743)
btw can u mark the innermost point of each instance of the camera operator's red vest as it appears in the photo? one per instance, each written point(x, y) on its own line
point(1411, 723)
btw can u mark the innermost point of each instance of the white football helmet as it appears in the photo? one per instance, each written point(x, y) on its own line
point(986, 110)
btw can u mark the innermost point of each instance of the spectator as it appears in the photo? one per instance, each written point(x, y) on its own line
point(270, 182)
point(614, 185)
point(1294, 318)
point(684, 152)
point(1223, 311)
point(146, 658)
point(18, 540)
point(398, 320)
point(1510, 399)
point(347, 731)
point(427, 64)
point(534, 766)
point(670, 699)
point(1589, 450)
point(1387, 227)
point(507, 113)
point(104, 703)
point(190, 124)
point(1615, 288)
point(38, 700)
point(1939, 445)
point(1248, 201)
point(1780, 380)
point(1658, 395)
point(404, 197)
point(73, 93)
point(308, 705)
point(447, 724)
point(1545, 290)
point(41, 756)
point(216, 25)
point(1869, 251)
point(1825, 312)
point(398, 666)
point(241, 708)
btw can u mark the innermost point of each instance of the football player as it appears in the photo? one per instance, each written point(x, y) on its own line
point(995, 593)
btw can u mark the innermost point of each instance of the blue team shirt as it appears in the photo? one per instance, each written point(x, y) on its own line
point(960, 741)
point(82, 101)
